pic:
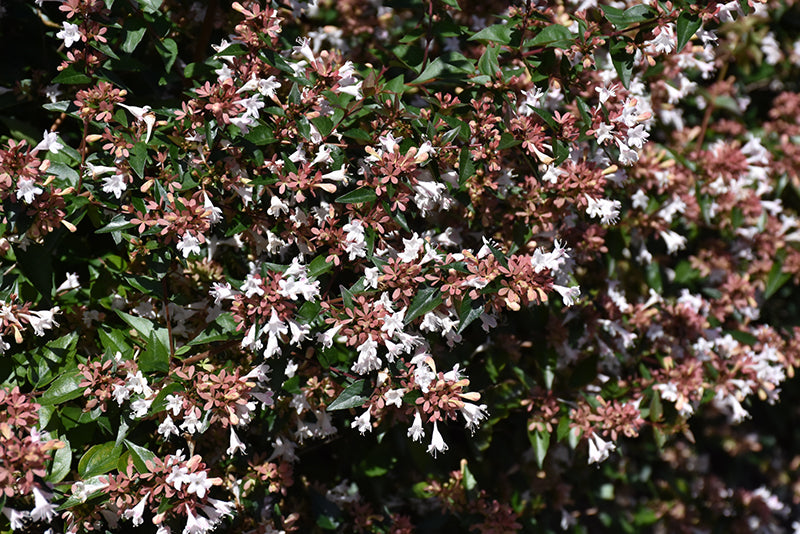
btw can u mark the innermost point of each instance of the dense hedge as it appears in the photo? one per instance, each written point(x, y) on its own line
point(412, 266)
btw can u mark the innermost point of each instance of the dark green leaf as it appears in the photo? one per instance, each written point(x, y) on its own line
point(65, 173)
point(563, 428)
point(319, 266)
point(470, 311)
point(359, 196)
point(260, 135)
point(507, 141)
point(554, 35)
point(104, 48)
point(150, 6)
point(351, 397)
point(234, 49)
point(71, 76)
point(62, 462)
point(141, 325)
point(138, 158)
point(687, 25)
point(99, 460)
point(358, 134)
point(140, 455)
point(497, 33)
point(324, 125)
point(776, 279)
point(488, 63)
point(63, 388)
point(540, 441)
point(497, 253)
point(433, 70)
point(156, 355)
point(632, 15)
point(168, 50)
point(623, 62)
point(427, 299)
point(132, 39)
point(653, 273)
point(347, 297)
point(466, 168)
point(117, 223)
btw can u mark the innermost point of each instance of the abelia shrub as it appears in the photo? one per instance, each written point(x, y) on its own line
point(398, 267)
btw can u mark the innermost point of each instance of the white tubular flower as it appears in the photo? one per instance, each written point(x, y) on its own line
point(437, 442)
point(415, 431)
point(339, 175)
point(599, 449)
point(16, 518)
point(371, 275)
point(368, 359)
point(473, 415)
point(70, 33)
point(393, 323)
point(167, 428)
point(673, 240)
point(28, 190)
point(304, 49)
point(42, 320)
point(135, 513)
point(196, 524)
point(69, 284)
point(568, 294)
point(199, 483)
point(328, 336)
point(115, 184)
point(143, 114)
point(394, 396)
point(235, 444)
point(43, 509)
point(606, 210)
point(189, 244)
point(49, 143)
point(362, 423)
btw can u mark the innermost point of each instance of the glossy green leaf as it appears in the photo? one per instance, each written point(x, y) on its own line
point(623, 62)
point(554, 35)
point(138, 159)
point(628, 17)
point(99, 460)
point(776, 279)
point(143, 326)
point(62, 462)
point(155, 357)
point(140, 455)
point(150, 6)
point(426, 300)
point(168, 50)
point(470, 311)
point(488, 63)
point(116, 224)
point(132, 39)
point(319, 266)
point(71, 76)
point(359, 196)
point(63, 388)
point(497, 33)
point(540, 441)
point(351, 397)
point(260, 135)
point(687, 25)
